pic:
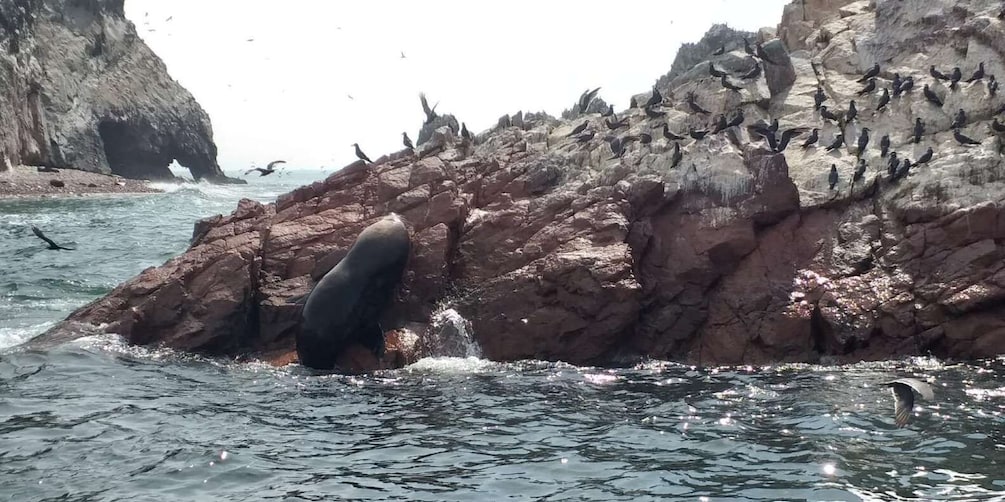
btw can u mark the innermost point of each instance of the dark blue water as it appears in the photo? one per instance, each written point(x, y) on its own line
point(97, 420)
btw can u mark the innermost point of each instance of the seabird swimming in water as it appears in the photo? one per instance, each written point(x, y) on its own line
point(832, 178)
point(676, 157)
point(753, 73)
point(979, 74)
point(903, 394)
point(464, 132)
point(729, 85)
point(269, 169)
point(578, 129)
point(964, 140)
point(863, 141)
point(871, 73)
point(52, 245)
point(827, 114)
point(430, 112)
point(837, 143)
point(884, 145)
point(407, 142)
point(883, 100)
point(695, 108)
point(956, 76)
point(932, 97)
point(360, 155)
point(669, 135)
point(869, 87)
point(713, 71)
point(859, 172)
point(919, 129)
point(812, 140)
point(927, 156)
point(938, 75)
point(720, 51)
point(787, 136)
point(818, 98)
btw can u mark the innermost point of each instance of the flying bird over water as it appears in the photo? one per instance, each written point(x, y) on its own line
point(360, 155)
point(903, 394)
point(269, 169)
point(52, 245)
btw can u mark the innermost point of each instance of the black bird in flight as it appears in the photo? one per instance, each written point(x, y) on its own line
point(586, 98)
point(903, 394)
point(52, 245)
point(269, 169)
point(360, 155)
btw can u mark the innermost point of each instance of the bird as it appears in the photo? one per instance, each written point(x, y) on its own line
point(938, 75)
point(871, 73)
point(729, 85)
point(818, 98)
point(269, 168)
point(852, 112)
point(768, 135)
point(869, 87)
point(578, 129)
point(655, 98)
point(979, 74)
point(883, 100)
point(653, 114)
point(616, 147)
point(919, 129)
point(927, 156)
point(827, 114)
point(956, 76)
point(837, 143)
point(763, 54)
point(360, 155)
point(860, 171)
point(901, 172)
point(720, 125)
point(645, 138)
point(407, 142)
point(402, 54)
point(609, 112)
point(633, 103)
point(992, 86)
point(464, 132)
point(669, 135)
point(964, 140)
point(720, 51)
point(960, 120)
point(896, 83)
point(997, 126)
point(903, 394)
point(430, 112)
point(52, 245)
point(697, 134)
point(863, 141)
point(753, 73)
point(932, 97)
point(884, 145)
point(832, 178)
point(774, 125)
point(586, 98)
point(695, 108)
point(715, 72)
point(676, 157)
point(617, 124)
point(583, 138)
point(892, 164)
point(812, 140)
point(747, 48)
point(907, 84)
point(787, 136)
point(736, 120)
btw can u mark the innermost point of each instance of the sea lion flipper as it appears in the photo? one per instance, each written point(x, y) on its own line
point(372, 337)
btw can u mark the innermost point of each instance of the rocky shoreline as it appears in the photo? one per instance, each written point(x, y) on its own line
point(28, 181)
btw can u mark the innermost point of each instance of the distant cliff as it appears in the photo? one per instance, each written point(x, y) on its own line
point(79, 89)
point(611, 244)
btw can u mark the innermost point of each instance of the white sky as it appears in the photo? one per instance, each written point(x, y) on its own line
point(285, 94)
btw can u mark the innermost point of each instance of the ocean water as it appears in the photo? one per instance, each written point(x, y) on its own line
point(98, 420)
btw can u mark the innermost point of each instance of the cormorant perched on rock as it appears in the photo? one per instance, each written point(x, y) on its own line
point(827, 114)
point(360, 155)
point(818, 98)
point(997, 126)
point(609, 112)
point(901, 172)
point(653, 114)
point(837, 143)
point(720, 51)
point(407, 142)
point(693, 106)
point(720, 125)
point(938, 75)
point(832, 178)
point(903, 394)
point(906, 85)
point(871, 73)
point(812, 140)
point(852, 112)
point(616, 147)
point(763, 54)
point(932, 97)
point(869, 87)
point(859, 171)
point(697, 134)
point(632, 103)
point(669, 135)
point(52, 245)
point(774, 125)
point(578, 129)
point(927, 156)
point(747, 48)
point(892, 164)
point(736, 120)
point(753, 73)
point(956, 76)
point(464, 132)
point(430, 112)
point(964, 140)
point(884, 145)
point(863, 141)
point(586, 98)
point(919, 129)
point(676, 157)
point(729, 85)
point(787, 136)
point(583, 138)
point(883, 100)
point(896, 83)
point(616, 125)
point(269, 169)
point(979, 74)
point(960, 120)
point(715, 72)
point(654, 99)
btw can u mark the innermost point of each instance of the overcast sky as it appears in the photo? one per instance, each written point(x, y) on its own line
point(276, 77)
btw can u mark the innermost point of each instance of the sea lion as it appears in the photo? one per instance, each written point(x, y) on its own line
point(345, 305)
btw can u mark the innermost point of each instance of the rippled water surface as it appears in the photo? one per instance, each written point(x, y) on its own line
point(96, 420)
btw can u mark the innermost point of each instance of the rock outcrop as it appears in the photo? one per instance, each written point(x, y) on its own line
point(556, 249)
point(80, 90)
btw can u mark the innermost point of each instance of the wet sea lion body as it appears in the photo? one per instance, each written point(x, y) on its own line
point(345, 305)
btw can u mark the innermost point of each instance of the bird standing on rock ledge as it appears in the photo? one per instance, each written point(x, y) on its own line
point(360, 155)
point(407, 142)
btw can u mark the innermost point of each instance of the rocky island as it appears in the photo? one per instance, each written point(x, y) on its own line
point(744, 212)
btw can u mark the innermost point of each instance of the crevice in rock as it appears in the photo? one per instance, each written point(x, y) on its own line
point(121, 141)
